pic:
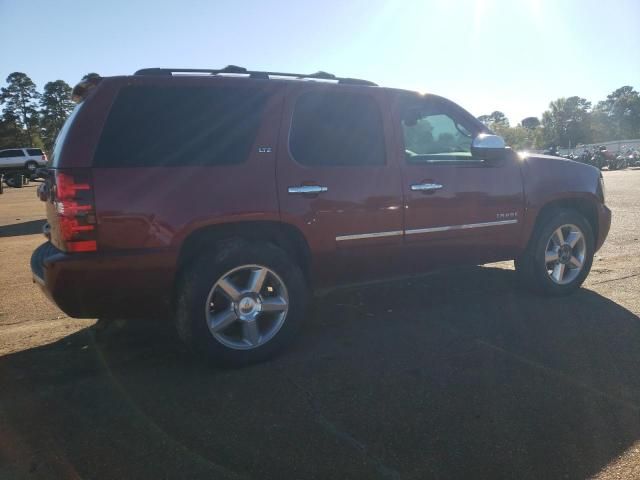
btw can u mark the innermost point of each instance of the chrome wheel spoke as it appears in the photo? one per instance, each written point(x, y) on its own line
point(575, 262)
point(274, 304)
point(558, 237)
point(247, 307)
point(573, 238)
point(229, 289)
point(256, 280)
point(250, 332)
point(222, 320)
point(551, 256)
point(558, 272)
point(565, 254)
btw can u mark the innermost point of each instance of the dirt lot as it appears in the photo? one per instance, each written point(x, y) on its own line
point(451, 375)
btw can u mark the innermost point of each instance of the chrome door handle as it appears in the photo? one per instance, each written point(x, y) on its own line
point(307, 189)
point(425, 187)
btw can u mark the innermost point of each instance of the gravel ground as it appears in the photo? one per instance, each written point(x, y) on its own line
point(450, 375)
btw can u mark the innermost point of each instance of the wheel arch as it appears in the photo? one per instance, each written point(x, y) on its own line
point(286, 236)
point(585, 206)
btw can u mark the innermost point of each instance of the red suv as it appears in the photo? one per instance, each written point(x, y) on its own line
point(220, 198)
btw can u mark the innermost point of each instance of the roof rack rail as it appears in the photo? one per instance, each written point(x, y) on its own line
point(234, 69)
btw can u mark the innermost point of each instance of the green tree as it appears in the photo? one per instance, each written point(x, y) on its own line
point(90, 75)
point(520, 138)
point(619, 114)
point(602, 128)
point(496, 119)
point(567, 122)
point(530, 123)
point(19, 99)
point(10, 132)
point(56, 105)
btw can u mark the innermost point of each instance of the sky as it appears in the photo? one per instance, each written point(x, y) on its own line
point(509, 55)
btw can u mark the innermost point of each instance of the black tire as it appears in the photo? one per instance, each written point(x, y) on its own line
point(31, 167)
point(199, 277)
point(531, 268)
point(12, 181)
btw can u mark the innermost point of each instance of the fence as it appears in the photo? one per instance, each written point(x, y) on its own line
point(614, 146)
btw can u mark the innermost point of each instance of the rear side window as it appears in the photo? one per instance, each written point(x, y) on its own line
point(11, 153)
point(179, 126)
point(34, 152)
point(337, 129)
point(55, 157)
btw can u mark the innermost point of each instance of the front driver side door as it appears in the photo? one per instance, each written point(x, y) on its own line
point(457, 208)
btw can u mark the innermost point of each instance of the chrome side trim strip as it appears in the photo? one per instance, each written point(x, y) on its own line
point(394, 233)
point(460, 227)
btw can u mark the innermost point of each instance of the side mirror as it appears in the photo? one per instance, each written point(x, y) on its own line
point(488, 147)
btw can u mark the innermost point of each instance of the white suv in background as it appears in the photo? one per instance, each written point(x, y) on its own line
point(22, 158)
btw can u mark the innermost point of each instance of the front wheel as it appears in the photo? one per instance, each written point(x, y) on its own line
point(559, 256)
point(242, 304)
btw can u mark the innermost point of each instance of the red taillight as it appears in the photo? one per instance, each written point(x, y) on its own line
point(67, 187)
point(85, 246)
point(73, 200)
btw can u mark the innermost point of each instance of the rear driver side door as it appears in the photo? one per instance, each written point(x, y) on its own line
point(338, 182)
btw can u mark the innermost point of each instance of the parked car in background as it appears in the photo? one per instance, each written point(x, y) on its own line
point(249, 190)
point(28, 159)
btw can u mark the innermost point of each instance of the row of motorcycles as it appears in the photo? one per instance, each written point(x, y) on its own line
point(600, 157)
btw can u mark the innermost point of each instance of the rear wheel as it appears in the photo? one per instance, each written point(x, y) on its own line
point(560, 254)
point(32, 170)
point(242, 304)
point(14, 180)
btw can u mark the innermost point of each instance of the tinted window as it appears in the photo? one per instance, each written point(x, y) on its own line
point(33, 152)
point(333, 129)
point(54, 158)
point(11, 153)
point(176, 126)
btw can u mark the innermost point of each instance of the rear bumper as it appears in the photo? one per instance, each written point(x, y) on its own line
point(105, 284)
point(604, 224)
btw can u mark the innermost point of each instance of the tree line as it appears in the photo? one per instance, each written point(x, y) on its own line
point(31, 118)
point(573, 121)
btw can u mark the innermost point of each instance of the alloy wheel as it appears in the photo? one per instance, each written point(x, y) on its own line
point(565, 254)
point(246, 307)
